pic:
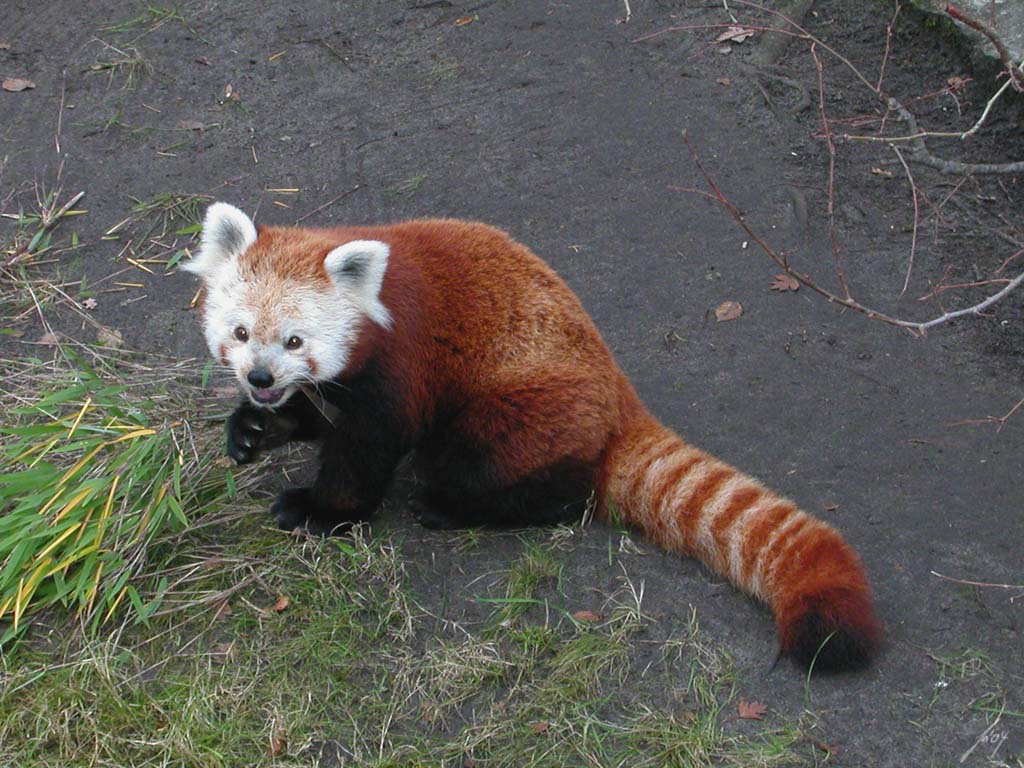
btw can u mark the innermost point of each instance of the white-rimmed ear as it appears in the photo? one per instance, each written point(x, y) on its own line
point(227, 232)
point(359, 267)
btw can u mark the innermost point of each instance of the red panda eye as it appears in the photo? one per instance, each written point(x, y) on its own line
point(294, 342)
point(241, 334)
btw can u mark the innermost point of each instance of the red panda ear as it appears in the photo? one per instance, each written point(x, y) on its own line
point(227, 232)
point(358, 267)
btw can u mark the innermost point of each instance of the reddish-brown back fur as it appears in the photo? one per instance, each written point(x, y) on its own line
point(483, 329)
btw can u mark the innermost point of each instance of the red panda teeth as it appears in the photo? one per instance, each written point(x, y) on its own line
point(686, 500)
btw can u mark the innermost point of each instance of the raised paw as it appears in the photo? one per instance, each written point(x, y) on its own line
point(246, 430)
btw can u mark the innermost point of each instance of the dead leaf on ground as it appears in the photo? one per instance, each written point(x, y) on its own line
point(281, 604)
point(464, 20)
point(735, 34)
point(191, 125)
point(540, 727)
point(49, 339)
point(587, 616)
point(277, 744)
point(785, 282)
point(728, 310)
point(752, 710)
point(222, 653)
point(15, 84)
point(831, 749)
point(109, 337)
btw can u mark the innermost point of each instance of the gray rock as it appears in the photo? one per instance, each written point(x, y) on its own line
point(1006, 17)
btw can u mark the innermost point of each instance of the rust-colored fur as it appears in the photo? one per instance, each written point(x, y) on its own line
point(489, 344)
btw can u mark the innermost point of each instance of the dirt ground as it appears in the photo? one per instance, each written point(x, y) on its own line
point(552, 120)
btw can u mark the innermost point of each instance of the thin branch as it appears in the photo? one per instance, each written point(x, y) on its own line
point(914, 327)
point(917, 216)
point(888, 47)
point(833, 237)
point(342, 196)
point(977, 583)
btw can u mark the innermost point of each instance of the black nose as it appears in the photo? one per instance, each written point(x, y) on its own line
point(260, 377)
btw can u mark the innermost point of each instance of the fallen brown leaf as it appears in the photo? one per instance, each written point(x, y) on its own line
point(736, 34)
point(15, 84)
point(277, 744)
point(222, 653)
point(728, 310)
point(464, 20)
point(785, 282)
point(587, 616)
point(281, 604)
point(109, 337)
point(49, 339)
point(752, 710)
point(540, 727)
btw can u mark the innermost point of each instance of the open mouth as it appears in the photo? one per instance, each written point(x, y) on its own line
point(267, 396)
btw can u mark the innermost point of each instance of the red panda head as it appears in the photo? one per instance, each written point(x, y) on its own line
point(284, 306)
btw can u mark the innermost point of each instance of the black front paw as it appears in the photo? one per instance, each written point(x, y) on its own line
point(246, 431)
point(296, 509)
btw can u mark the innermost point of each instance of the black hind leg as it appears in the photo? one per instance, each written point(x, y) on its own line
point(463, 501)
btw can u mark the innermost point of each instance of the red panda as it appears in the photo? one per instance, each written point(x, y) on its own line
point(449, 340)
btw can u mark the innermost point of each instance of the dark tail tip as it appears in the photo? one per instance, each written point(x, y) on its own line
point(834, 629)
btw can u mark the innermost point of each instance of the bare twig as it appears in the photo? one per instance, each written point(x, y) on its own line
point(888, 47)
point(1000, 420)
point(342, 196)
point(60, 110)
point(915, 327)
point(833, 237)
point(970, 583)
point(917, 215)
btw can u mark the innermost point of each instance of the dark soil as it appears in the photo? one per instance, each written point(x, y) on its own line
point(549, 120)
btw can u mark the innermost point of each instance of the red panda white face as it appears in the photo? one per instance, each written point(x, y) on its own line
point(277, 329)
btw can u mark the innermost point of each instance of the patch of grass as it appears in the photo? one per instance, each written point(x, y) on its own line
point(149, 18)
point(92, 477)
point(31, 247)
point(444, 70)
point(409, 186)
point(157, 232)
point(352, 669)
point(536, 567)
point(127, 64)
